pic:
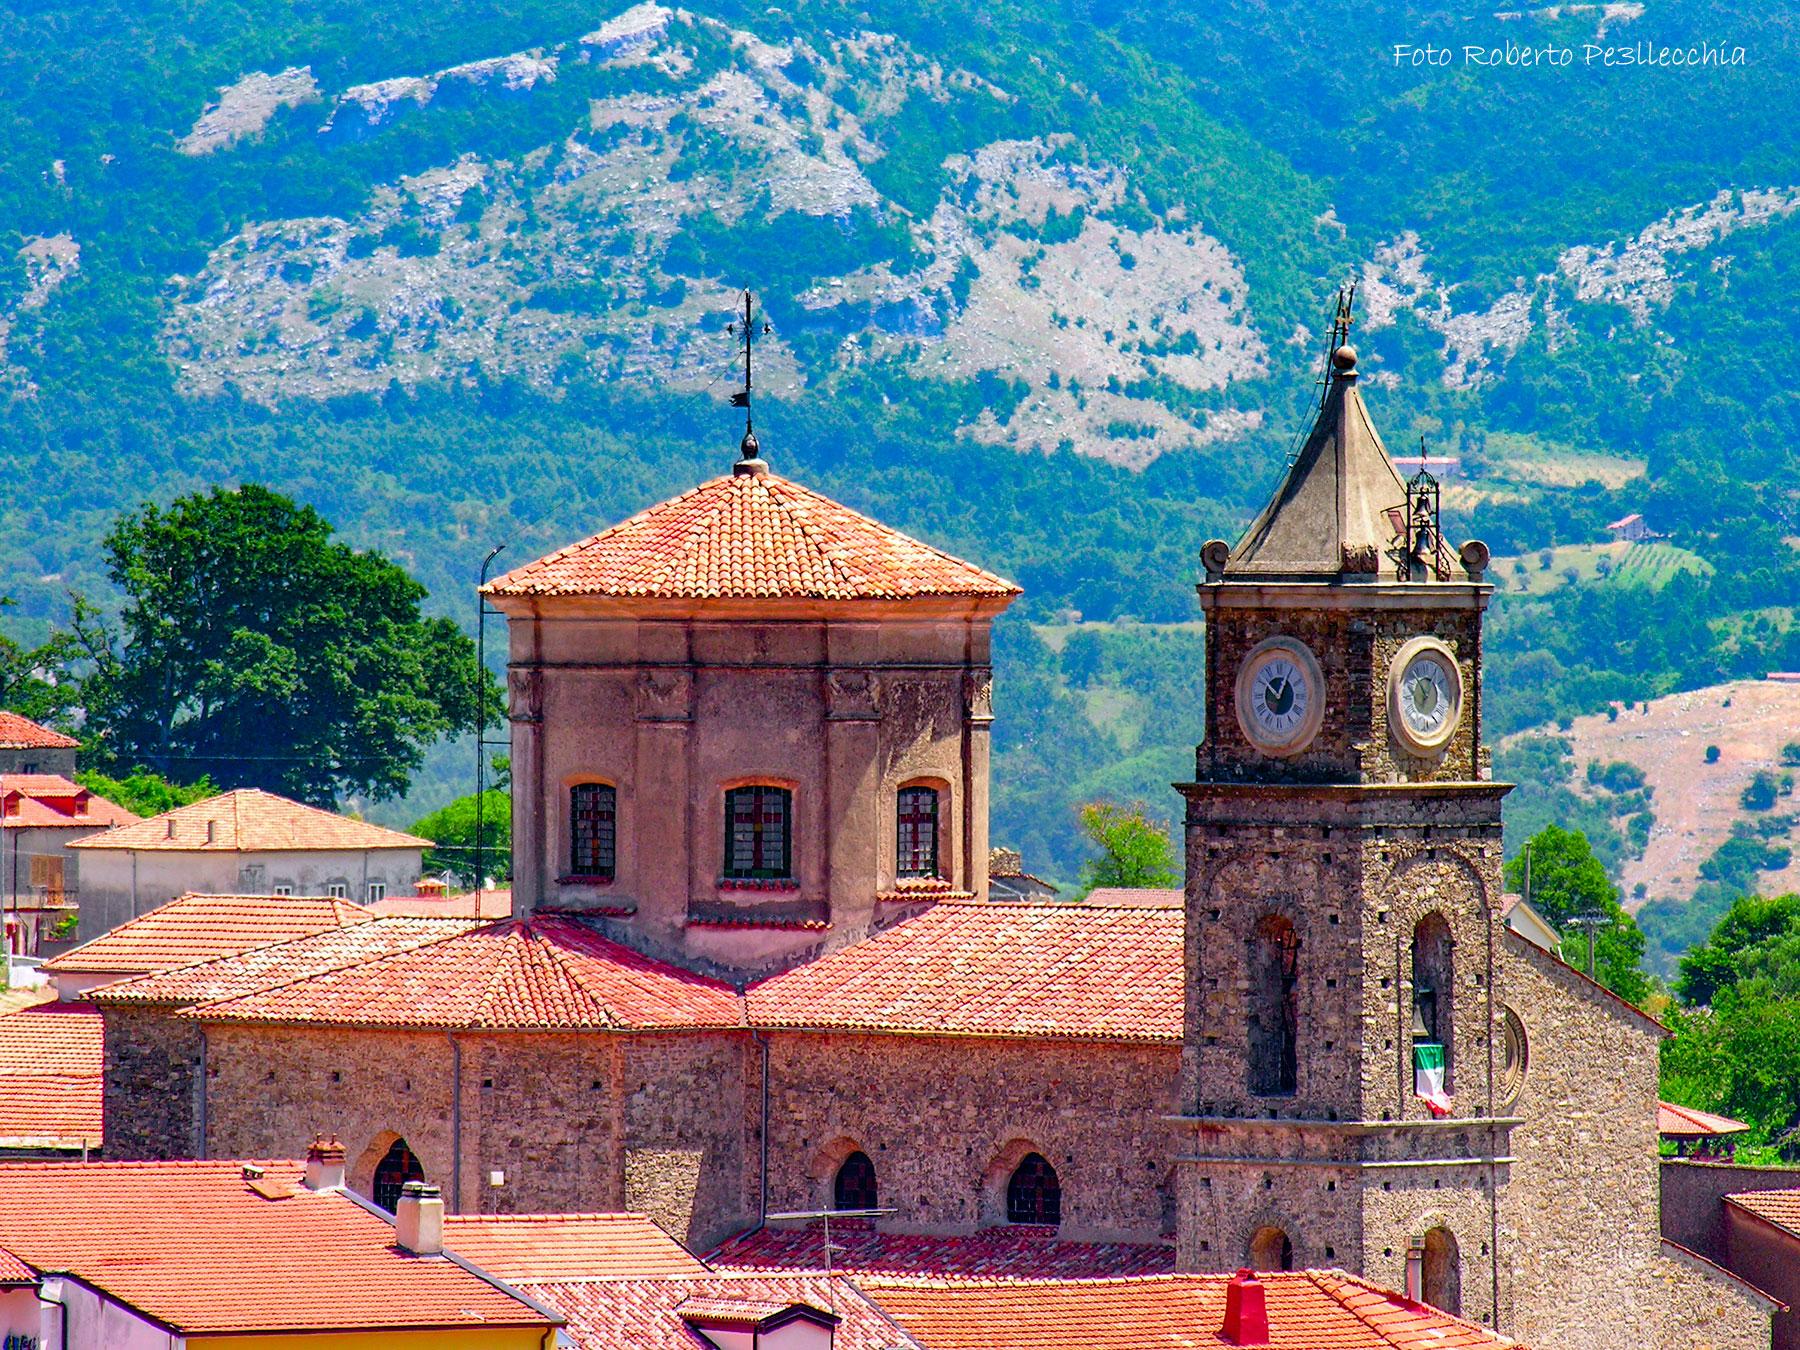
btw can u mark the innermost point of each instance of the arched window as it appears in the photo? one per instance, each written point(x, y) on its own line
point(593, 830)
point(1270, 1249)
point(1274, 1008)
point(397, 1167)
point(1440, 1281)
point(917, 815)
point(1434, 1044)
point(1034, 1195)
point(758, 830)
point(855, 1184)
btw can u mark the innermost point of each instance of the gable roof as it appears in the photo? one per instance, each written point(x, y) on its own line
point(21, 733)
point(1016, 968)
point(51, 1086)
point(524, 1247)
point(751, 536)
point(1685, 1121)
point(1308, 1310)
point(652, 1314)
point(540, 974)
point(198, 1248)
point(249, 820)
point(859, 1248)
point(277, 963)
point(1780, 1208)
point(194, 928)
point(50, 801)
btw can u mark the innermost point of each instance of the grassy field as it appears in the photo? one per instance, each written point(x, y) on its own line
point(1056, 635)
point(1618, 564)
point(1529, 459)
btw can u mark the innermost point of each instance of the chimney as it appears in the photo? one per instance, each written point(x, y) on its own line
point(419, 1219)
point(431, 888)
point(1246, 1314)
point(325, 1164)
point(1415, 1270)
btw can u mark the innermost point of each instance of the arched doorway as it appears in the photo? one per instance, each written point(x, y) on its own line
point(397, 1167)
point(854, 1187)
point(1271, 1249)
point(1440, 1280)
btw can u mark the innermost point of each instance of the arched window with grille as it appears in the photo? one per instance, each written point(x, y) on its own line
point(397, 1167)
point(1034, 1195)
point(1434, 1009)
point(759, 832)
point(917, 818)
point(593, 830)
point(855, 1184)
point(1274, 1022)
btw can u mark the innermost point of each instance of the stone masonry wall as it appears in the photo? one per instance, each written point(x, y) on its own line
point(946, 1120)
point(152, 1085)
point(1583, 1203)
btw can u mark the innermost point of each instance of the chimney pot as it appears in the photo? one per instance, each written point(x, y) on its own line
point(1246, 1311)
point(325, 1164)
point(419, 1219)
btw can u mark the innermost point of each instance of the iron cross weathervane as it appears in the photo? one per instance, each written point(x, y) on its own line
point(747, 328)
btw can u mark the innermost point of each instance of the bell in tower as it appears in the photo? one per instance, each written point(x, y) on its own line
point(1343, 877)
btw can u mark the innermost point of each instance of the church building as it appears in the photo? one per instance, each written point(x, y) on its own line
point(754, 966)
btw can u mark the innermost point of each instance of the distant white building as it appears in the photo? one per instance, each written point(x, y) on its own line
point(246, 842)
point(26, 747)
point(1631, 529)
point(41, 814)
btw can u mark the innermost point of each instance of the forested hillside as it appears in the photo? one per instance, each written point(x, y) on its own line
point(1047, 281)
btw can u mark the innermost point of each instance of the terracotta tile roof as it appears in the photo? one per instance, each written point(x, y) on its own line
point(648, 1314)
point(520, 1247)
point(751, 536)
point(994, 1253)
point(486, 905)
point(1004, 969)
point(50, 801)
point(1689, 1123)
point(195, 928)
point(1308, 1310)
point(51, 1061)
point(1781, 1208)
point(21, 733)
point(277, 963)
point(541, 974)
point(250, 820)
point(1139, 897)
point(193, 1245)
point(14, 1272)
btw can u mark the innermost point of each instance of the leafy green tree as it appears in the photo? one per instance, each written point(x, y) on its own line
point(1568, 882)
point(1757, 937)
point(146, 793)
point(1134, 850)
point(452, 832)
point(38, 681)
point(259, 651)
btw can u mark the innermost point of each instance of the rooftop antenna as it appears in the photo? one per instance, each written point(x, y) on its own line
point(828, 1215)
point(483, 743)
point(747, 327)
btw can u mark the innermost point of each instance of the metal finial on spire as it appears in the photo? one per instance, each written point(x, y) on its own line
point(1340, 356)
point(751, 460)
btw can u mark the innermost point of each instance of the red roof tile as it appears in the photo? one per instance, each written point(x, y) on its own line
point(195, 928)
point(1686, 1122)
point(21, 733)
point(1308, 1310)
point(50, 801)
point(520, 1247)
point(469, 905)
point(1781, 1208)
point(278, 963)
point(249, 820)
point(13, 1271)
point(1139, 897)
point(194, 1245)
point(751, 536)
point(994, 1253)
point(517, 975)
point(51, 1060)
point(1007, 969)
point(648, 1314)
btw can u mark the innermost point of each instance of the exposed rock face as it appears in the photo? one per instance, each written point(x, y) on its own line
point(244, 108)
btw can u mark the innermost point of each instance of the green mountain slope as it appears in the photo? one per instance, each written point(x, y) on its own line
point(1047, 282)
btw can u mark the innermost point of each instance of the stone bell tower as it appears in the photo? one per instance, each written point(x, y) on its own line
point(1340, 1078)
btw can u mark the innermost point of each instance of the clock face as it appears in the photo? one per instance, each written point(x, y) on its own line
point(1425, 695)
point(1280, 696)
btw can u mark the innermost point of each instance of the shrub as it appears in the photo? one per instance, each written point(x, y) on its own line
point(1712, 754)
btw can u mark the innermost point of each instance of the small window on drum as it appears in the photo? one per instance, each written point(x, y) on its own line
point(758, 833)
point(917, 816)
point(593, 830)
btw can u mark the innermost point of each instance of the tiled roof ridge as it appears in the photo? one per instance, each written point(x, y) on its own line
point(634, 959)
point(1333, 1282)
point(797, 507)
point(558, 960)
point(813, 498)
point(229, 809)
point(559, 1216)
point(304, 976)
point(22, 732)
point(120, 991)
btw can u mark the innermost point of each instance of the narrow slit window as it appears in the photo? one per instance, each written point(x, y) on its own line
point(758, 833)
point(593, 830)
point(918, 843)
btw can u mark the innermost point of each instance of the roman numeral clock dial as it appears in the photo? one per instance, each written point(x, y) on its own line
point(1280, 696)
point(1425, 696)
